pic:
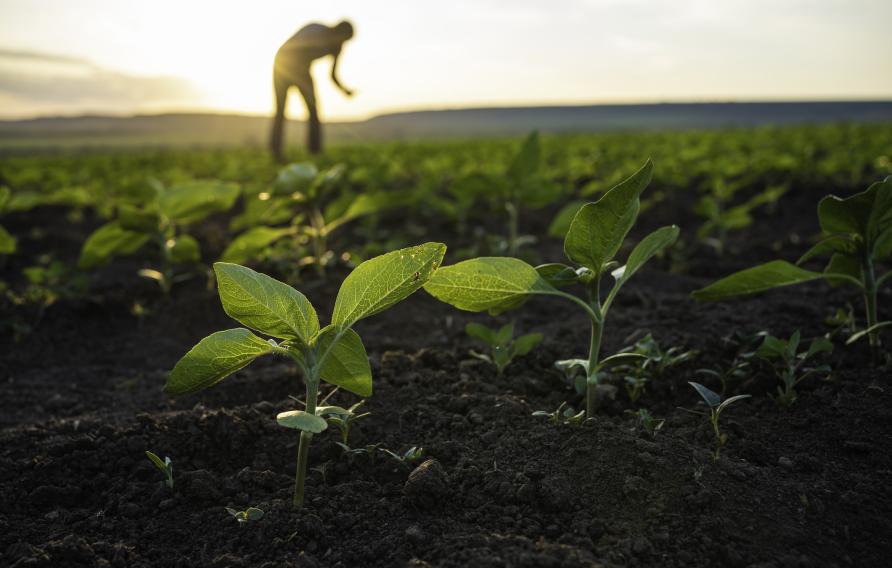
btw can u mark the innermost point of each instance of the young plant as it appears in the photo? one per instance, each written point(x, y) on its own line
point(857, 235)
point(497, 284)
point(163, 223)
point(334, 353)
point(790, 364)
point(342, 418)
point(369, 450)
point(313, 204)
point(562, 415)
point(408, 457)
point(716, 405)
point(651, 365)
point(164, 466)
point(503, 347)
point(7, 241)
point(647, 422)
point(248, 515)
point(721, 218)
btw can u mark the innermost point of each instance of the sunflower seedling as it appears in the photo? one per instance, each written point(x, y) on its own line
point(651, 365)
point(647, 422)
point(563, 415)
point(503, 347)
point(342, 418)
point(248, 515)
point(369, 450)
point(334, 353)
point(791, 365)
point(857, 235)
point(497, 284)
point(716, 405)
point(165, 466)
point(410, 456)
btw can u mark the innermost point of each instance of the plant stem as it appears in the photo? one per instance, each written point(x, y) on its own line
point(870, 299)
point(319, 243)
point(512, 228)
point(591, 378)
point(303, 449)
point(714, 418)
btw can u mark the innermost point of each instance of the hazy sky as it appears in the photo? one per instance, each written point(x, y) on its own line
point(122, 56)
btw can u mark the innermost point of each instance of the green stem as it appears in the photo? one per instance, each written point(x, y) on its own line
point(714, 418)
point(591, 379)
point(870, 300)
point(512, 228)
point(319, 244)
point(303, 449)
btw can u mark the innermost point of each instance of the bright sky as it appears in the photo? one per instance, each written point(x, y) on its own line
point(124, 56)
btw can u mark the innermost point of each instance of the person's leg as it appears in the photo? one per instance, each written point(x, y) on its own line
point(314, 128)
point(280, 85)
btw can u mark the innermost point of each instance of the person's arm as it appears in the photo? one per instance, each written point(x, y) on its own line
point(334, 75)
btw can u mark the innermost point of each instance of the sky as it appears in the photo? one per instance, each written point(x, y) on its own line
point(65, 57)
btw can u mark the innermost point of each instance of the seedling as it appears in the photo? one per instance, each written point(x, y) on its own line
point(716, 405)
point(410, 456)
point(497, 284)
point(164, 466)
point(7, 241)
point(314, 205)
point(342, 418)
point(369, 450)
point(334, 354)
point(651, 365)
point(248, 515)
point(647, 422)
point(503, 347)
point(162, 222)
point(790, 364)
point(721, 218)
point(564, 414)
point(741, 364)
point(857, 235)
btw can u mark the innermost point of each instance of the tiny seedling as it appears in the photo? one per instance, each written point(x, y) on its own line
point(647, 422)
point(503, 347)
point(248, 515)
point(857, 235)
point(791, 365)
point(410, 456)
point(334, 353)
point(165, 466)
point(716, 405)
point(741, 365)
point(369, 450)
point(342, 418)
point(497, 284)
point(564, 414)
point(652, 364)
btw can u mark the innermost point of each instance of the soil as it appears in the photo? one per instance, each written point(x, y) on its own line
point(799, 486)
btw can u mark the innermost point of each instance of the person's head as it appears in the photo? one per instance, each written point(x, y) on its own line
point(344, 30)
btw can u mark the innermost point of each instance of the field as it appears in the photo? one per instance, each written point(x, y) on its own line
point(91, 329)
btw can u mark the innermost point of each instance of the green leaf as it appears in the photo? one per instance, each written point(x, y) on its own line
point(646, 249)
point(300, 420)
point(253, 514)
point(558, 274)
point(882, 246)
point(346, 363)
point(385, 280)
point(867, 214)
point(138, 220)
point(829, 245)
point(561, 222)
point(526, 343)
point(481, 332)
point(819, 345)
point(184, 250)
point(728, 402)
point(5, 194)
point(7, 242)
point(265, 304)
point(214, 358)
point(251, 243)
point(772, 348)
point(492, 284)
point(711, 398)
point(159, 463)
point(193, 201)
point(505, 333)
point(865, 332)
point(367, 204)
point(757, 279)
point(108, 241)
point(526, 162)
point(295, 178)
point(842, 264)
point(598, 229)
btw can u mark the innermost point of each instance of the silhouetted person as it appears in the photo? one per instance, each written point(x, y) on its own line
point(292, 69)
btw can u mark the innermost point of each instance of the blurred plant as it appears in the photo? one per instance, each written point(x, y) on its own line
point(7, 241)
point(503, 347)
point(744, 347)
point(647, 422)
point(721, 218)
point(790, 364)
point(716, 405)
point(163, 222)
point(248, 515)
point(651, 363)
point(564, 414)
point(858, 234)
point(408, 457)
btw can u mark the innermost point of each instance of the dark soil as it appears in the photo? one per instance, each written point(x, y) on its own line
point(81, 401)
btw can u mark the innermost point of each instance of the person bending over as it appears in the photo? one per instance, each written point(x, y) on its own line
point(292, 69)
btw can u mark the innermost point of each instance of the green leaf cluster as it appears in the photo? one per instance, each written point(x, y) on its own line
point(502, 343)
